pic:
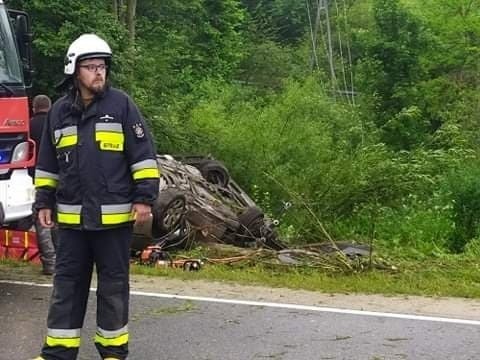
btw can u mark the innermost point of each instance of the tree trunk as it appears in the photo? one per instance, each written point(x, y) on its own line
point(115, 9)
point(131, 8)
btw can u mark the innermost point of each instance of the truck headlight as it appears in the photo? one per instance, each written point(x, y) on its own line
point(20, 153)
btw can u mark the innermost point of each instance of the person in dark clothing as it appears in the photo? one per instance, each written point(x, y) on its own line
point(40, 106)
point(97, 172)
point(45, 236)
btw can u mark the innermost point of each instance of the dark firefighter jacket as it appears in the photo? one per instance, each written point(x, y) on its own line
point(95, 163)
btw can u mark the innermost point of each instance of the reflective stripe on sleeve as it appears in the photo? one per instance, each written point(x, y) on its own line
point(45, 178)
point(116, 214)
point(69, 214)
point(146, 169)
point(69, 338)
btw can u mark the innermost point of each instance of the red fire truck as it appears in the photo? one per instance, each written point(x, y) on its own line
point(17, 150)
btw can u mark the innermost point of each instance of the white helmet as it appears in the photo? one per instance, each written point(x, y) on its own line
point(87, 46)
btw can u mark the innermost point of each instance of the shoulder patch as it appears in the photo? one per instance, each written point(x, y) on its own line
point(138, 130)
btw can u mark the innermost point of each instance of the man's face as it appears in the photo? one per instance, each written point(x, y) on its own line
point(91, 75)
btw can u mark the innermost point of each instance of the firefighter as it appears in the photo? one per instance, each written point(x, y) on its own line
point(41, 104)
point(96, 174)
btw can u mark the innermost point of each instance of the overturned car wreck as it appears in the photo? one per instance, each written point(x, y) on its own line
point(199, 202)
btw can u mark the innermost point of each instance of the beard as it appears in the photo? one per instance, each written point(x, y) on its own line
point(97, 86)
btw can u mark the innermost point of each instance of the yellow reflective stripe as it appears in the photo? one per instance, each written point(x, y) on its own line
point(67, 140)
point(39, 182)
point(114, 341)
point(65, 137)
point(109, 136)
point(40, 358)
point(146, 174)
point(109, 140)
point(69, 214)
point(110, 219)
point(45, 178)
point(66, 218)
point(116, 213)
point(65, 342)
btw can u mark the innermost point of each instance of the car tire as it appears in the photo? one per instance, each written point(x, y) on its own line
point(168, 212)
point(214, 172)
point(251, 221)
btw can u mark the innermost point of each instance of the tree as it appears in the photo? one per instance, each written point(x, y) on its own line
point(390, 68)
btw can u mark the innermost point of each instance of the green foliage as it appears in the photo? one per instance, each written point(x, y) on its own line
point(389, 69)
point(268, 65)
point(278, 20)
point(322, 158)
point(465, 192)
point(56, 24)
point(231, 78)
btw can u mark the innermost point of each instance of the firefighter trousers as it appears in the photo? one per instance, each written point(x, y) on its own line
point(46, 245)
point(77, 253)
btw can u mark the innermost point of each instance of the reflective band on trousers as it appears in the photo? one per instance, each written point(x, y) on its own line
point(112, 338)
point(146, 169)
point(69, 214)
point(110, 136)
point(69, 338)
point(116, 214)
point(66, 137)
point(45, 178)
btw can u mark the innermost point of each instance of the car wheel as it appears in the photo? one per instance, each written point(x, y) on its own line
point(214, 172)
point(168, 212)
point(251, 223)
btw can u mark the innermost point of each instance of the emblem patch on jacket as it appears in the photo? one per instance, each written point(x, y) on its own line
point(106, 118)
point(138, 130)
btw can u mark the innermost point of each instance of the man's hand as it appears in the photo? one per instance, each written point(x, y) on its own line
point(45, 218)
point(141, 213)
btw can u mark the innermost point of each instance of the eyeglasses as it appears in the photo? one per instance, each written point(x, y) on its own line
point(94, 67)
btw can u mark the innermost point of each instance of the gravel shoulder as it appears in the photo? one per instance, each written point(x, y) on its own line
point(429, 306)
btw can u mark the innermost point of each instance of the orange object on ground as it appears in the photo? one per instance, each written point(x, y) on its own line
point(19, 245)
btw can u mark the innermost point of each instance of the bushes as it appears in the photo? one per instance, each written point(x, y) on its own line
point(465, 194)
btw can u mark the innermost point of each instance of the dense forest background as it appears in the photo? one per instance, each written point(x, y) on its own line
point(361, 114)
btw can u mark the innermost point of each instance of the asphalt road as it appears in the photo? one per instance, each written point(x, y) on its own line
point(178, 329)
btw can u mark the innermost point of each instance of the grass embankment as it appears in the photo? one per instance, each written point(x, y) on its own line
point(456, 276)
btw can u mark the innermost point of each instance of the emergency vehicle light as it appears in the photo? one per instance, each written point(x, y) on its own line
point(20, 153)
point(4, 156)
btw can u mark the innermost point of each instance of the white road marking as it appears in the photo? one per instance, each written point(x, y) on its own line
point(281, 305)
